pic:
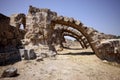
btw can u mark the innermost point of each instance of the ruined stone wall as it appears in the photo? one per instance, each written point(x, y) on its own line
point(39, 31)
point(9, 36)
point(10, 39)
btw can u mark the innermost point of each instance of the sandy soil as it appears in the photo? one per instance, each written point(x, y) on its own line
point(70, 64)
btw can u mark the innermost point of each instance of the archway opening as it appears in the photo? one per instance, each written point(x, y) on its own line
point(71, 43)
point(92, 39)
point(70, 38)
point(21, 26)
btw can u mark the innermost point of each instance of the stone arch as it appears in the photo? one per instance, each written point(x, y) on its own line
point(78, 36)
point(47, 21)
point(90, 34)
point(71, 35)
point(60, 30)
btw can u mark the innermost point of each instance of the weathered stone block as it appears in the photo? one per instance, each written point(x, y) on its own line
point(10, 72)
point(109, 50)
point(29, 54)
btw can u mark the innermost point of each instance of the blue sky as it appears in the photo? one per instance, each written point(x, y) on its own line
point(103, 15)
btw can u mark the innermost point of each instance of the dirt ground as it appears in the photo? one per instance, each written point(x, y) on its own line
point(70, 64)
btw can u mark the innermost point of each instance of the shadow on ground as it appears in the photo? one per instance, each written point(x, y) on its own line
point(80, 53)
point(73, 48)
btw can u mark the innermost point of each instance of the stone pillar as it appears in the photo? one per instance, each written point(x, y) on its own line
point(39, 31)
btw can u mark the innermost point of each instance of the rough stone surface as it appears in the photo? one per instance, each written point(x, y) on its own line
point(39, 31)
point(110, 50)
